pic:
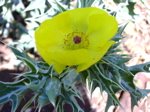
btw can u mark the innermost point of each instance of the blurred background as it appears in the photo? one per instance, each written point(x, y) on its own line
point(20, 18)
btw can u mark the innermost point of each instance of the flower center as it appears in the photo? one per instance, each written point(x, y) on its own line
point(76, 40)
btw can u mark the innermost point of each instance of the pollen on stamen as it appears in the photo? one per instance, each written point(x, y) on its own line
point(77, 39)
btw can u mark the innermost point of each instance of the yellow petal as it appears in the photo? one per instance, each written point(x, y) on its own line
point(50, 37)
point(96, 56)
point(80, 16)
point(58, 67)
point(51, 33)
point(69, 57)
point(105, 28)
point(64, 23)
point(48, 57)
point(43, 52)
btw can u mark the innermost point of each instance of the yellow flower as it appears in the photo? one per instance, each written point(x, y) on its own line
point(76, 38)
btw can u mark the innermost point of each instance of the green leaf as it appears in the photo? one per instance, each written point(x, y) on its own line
point(25, 58)
point(60, 104)
point(70, 78)
point(131, 8)
point(80, 3)
point(119, 1)
point(93, 82)
point(44, 68)
point(21, 28)
point(75, 104)
point(35, 4)
point(89, 3)
point(116, 1)
point(60, 6)
point(123, 76)
point(84, 3)
point(52, 89)
point(11, 94)
point(116, 60)
point(4, 99)
point(8, 90)
point(15, 83)
point(37, 84)
point(108, 103)
point(69, 96)
point(105, 84)
point(42, 100)
point(29, 102)
point(119, 36)
point(145, 67)
point(121, 29)
point(15, 102)
point(111, 75)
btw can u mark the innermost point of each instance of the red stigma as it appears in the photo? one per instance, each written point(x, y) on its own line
point(77, 39)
